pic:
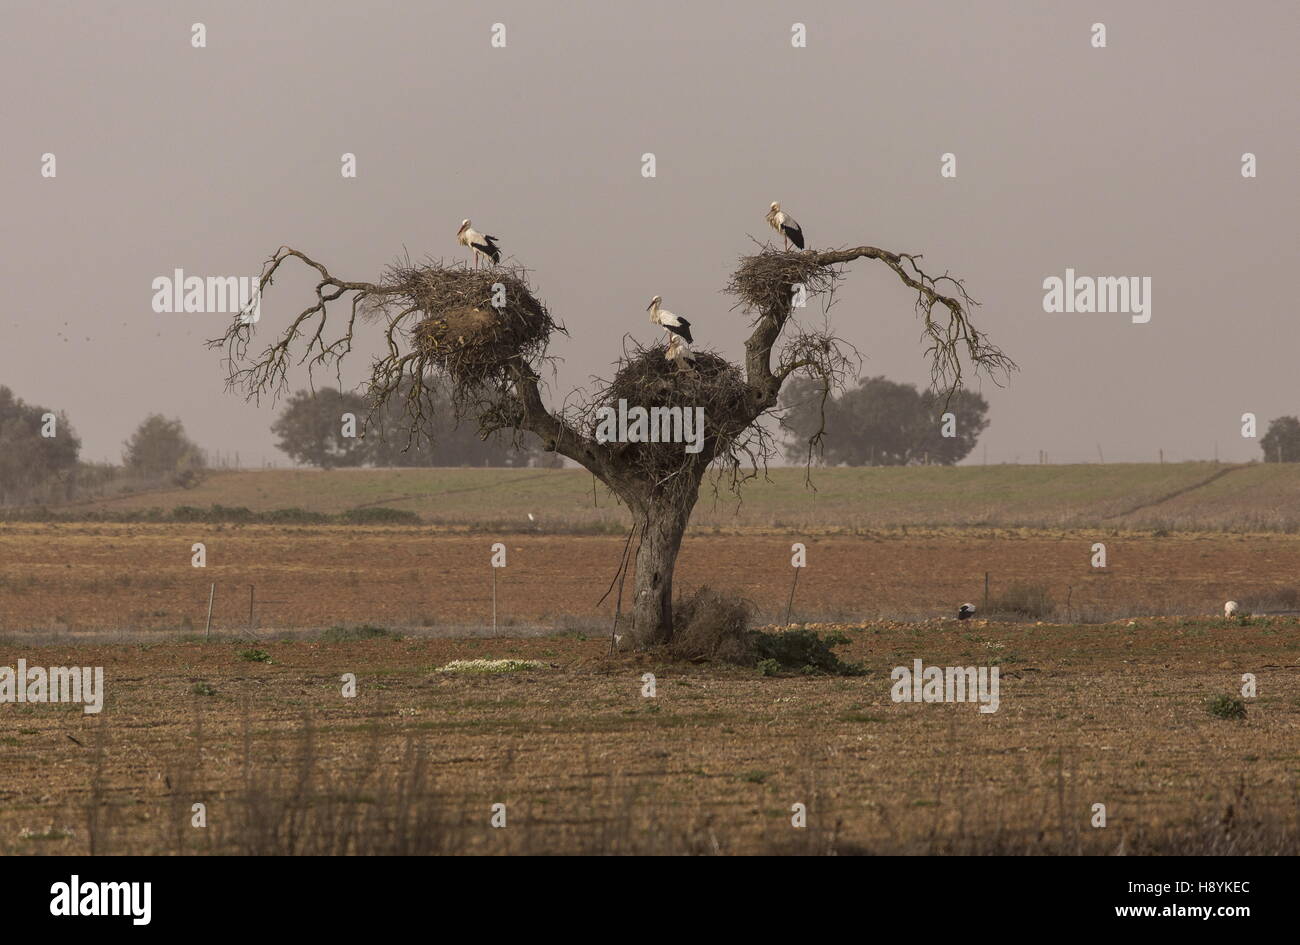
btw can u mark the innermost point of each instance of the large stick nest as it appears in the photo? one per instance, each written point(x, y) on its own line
point(765, 282)
point(648, 379)
point(645, 378)
point(462, 333)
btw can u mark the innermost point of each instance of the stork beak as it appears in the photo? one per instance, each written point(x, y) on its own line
point(650, 306)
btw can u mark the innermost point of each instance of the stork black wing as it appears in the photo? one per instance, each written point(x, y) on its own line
point(794, 234)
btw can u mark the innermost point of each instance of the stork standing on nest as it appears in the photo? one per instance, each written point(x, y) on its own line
point(480, 245)
point(673, 324)
point(784, 224)
point(679, 352)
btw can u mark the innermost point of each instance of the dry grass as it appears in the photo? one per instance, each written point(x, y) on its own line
point(1022, 600)
point(585, 763)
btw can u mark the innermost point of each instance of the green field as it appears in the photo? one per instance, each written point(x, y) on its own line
point(1173, 496)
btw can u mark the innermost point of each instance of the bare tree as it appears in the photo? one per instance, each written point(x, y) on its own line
point(486, 333)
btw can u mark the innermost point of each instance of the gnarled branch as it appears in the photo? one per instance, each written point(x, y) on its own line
point(768, 284)
point(511, 395)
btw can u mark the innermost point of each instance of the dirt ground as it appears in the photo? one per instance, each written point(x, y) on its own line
point(1112, 714)
point(83, 578)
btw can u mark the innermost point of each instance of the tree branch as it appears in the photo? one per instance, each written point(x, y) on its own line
point(405, 292)
point(557, 434)
point(768, 282)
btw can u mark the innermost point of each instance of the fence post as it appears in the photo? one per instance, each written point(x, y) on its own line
point(790, 605)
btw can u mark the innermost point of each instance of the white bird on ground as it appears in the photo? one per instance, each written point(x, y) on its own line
point(673, 324)
point(679, 352)
point(965, 611)
point(479, 244)
point(1230, 608)
point(784, 224)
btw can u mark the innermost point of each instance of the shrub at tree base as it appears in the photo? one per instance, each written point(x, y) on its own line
point(713, 626)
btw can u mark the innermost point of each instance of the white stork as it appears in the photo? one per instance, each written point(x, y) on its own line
point(1230, 608)
point(784, 224)
point(679, 352)
point(673, 324)
point(965, 611)
point(479, 244)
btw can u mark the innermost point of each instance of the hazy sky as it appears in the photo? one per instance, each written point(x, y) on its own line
point(1119, 161)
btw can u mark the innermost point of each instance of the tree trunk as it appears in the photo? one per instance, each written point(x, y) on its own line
point(652, 603)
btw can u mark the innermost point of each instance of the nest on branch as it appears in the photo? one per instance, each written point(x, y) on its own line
point(645, 378)
point(766, 282)
point(474, 323)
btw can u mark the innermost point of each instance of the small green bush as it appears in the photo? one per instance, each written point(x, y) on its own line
point(1227, 707)
point(804, 651)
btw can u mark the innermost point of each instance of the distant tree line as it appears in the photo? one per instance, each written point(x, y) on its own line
point(1281, 444)
point(877, 422)
point(159, 449)
point(329, 428)
point(881, 423)
point(40, 455)
point(884, 423)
